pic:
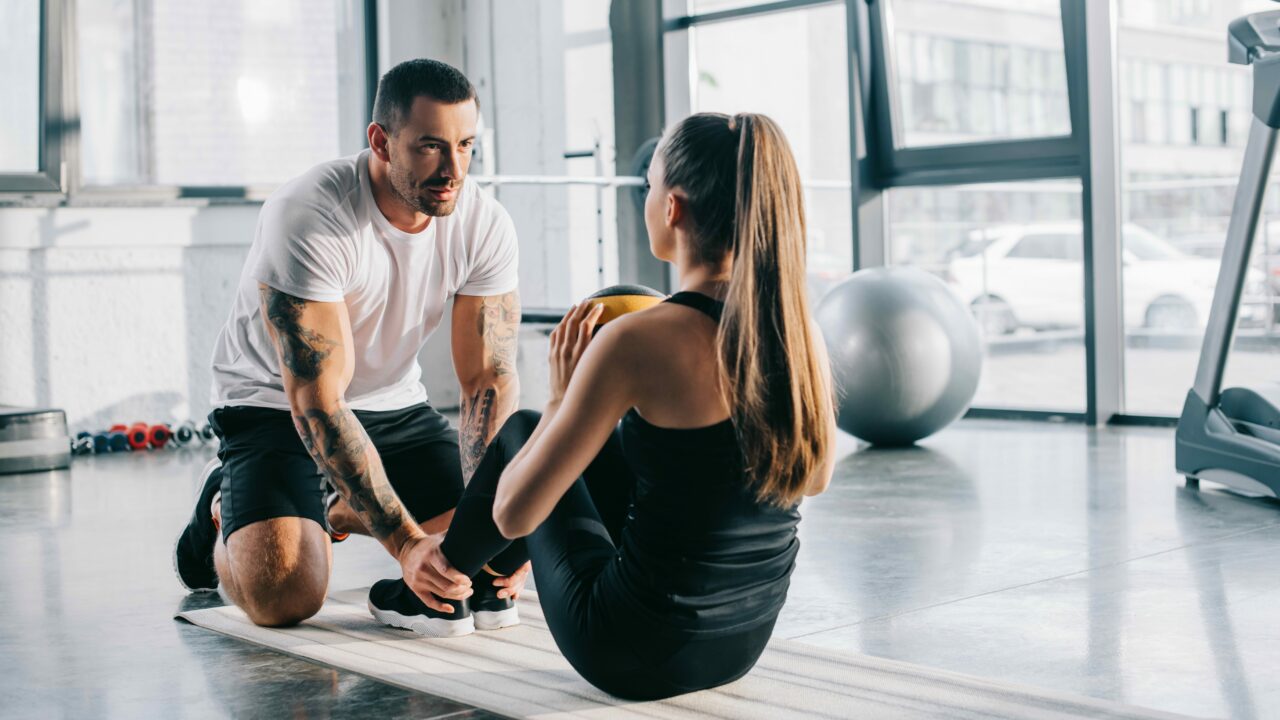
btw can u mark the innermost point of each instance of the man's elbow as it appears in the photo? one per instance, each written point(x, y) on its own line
point(474, 384)
point(309, 399)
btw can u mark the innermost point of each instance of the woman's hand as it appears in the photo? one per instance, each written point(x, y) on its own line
point(568, 342)
point(513, 584)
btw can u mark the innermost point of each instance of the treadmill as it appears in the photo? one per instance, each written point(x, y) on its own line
point(1232, 436)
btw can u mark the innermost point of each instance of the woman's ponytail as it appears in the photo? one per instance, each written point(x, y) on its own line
point(775, 385)
point(745, 199)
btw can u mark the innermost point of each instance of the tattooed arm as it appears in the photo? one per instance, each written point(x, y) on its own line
point(313, 343)
point(485, 330)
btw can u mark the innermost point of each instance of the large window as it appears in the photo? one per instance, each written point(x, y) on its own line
point(212, 94)
point(589, 145)
point(977, 100)
point(806, 92)
point(973, 70)
point(1184, 116)
point(1013, 252)
point(974, 149)
point(553, 119)
point(20, 86)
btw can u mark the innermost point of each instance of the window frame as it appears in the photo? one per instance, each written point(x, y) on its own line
point(1036, 158)
point(1021, 159)
point(56, 108)
point(872, 108)
point(59, 180)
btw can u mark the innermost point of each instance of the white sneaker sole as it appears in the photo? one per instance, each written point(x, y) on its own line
point(209, 467)
point(489, 620)
point(424, 626)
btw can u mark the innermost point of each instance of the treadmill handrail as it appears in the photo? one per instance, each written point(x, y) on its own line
point(1221, 326)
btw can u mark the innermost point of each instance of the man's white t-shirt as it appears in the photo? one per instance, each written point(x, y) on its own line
point(321, 237)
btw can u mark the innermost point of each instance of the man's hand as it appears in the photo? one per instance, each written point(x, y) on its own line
point(513, 584)
point(428, 573)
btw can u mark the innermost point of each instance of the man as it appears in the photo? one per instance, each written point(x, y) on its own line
point(316, 378)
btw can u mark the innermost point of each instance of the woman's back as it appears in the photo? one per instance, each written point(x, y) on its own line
point(679, 383)
point(699, 551)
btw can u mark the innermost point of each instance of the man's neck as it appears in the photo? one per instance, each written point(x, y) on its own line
point(396, 211)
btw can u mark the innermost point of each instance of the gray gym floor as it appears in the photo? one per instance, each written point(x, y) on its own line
point(1056, 556)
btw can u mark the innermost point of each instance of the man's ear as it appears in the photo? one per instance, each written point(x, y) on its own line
point(378, 142)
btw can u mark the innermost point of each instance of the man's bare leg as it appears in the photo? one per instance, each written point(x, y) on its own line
point(277, 570)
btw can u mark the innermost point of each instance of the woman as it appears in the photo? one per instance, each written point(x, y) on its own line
point(662, 547)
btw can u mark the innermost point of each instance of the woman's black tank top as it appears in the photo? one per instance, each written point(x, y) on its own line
point(699, 551)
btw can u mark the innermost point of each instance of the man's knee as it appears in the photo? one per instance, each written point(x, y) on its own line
point(281, 570)
point(282, 606)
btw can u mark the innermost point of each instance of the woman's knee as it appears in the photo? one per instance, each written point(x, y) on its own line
point(520, 426)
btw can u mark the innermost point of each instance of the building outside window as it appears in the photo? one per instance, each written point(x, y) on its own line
point(215, 94)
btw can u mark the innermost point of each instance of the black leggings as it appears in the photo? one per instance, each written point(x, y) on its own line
point(575, 567)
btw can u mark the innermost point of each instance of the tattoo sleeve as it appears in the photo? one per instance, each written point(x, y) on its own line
point(498, 325)
point(329, 430)
point(345, 455)
point(302, 350)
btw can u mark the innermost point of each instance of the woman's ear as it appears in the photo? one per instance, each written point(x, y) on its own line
point(675, 210)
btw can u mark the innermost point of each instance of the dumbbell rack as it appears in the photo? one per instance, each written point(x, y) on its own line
point(141, 436)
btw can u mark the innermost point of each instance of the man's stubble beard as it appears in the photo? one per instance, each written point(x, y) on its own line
point(407, 190)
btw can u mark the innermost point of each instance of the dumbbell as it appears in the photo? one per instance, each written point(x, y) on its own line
point(140, 435)
point(110, 441)
point(158, 435)
point(188, 433)
point(184, 434)
point(143, 436)
point(137, 435)
point(82, 444)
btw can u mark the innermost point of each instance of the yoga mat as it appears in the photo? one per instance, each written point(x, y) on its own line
point(518, 672)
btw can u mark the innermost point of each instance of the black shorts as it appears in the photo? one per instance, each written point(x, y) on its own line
point(267, 473)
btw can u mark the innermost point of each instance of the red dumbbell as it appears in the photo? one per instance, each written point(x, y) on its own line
point(158, 435)
point(137, 434)
point(143, 436)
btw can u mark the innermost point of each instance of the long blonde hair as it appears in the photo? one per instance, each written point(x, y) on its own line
point(742, 189)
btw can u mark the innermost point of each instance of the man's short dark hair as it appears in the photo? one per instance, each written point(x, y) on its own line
point(412, 79)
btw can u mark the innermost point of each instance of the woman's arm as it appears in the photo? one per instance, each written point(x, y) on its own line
point(570, 435)
point(822, 478)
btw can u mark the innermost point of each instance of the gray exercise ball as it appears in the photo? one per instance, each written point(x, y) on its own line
point(905, 352)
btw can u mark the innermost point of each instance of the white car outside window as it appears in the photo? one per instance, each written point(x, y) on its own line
point(1033, 276)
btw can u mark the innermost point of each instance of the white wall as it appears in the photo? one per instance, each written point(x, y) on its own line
point(110, 313)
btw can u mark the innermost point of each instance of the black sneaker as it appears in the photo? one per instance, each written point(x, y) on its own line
point(193, 552)
point(391, 602)
point(490, 611)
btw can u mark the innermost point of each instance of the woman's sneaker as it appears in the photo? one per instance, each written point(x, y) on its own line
point(391, 602)
point(490, 611)
point(193, 551)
